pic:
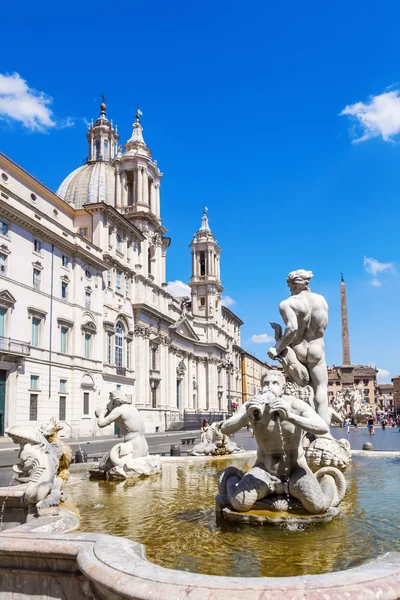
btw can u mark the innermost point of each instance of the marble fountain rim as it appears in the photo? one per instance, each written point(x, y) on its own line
point(246, 454)
point(119, 566)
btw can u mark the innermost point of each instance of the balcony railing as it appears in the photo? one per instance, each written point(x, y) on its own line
point(121, 371)
point(15, 347)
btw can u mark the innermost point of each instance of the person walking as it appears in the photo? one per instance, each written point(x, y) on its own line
point(371, 426)
point(347, 425)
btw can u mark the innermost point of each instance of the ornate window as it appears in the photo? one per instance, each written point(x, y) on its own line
point(34, 383)
point(97, 149)
point(85, 403)
point(119, 345)
point(88, 338)
point(109, 347)
point(88, 296)
point(105, 150)
point(35, 331)
point(64, 340)
point(4, 227)
point(118, 241)
point(33, 407)
point(3, 312)
point(62, 410)
point(118, 281)
point(202, 263)
point(3, 264)
point(154, 358)
point(36, 279)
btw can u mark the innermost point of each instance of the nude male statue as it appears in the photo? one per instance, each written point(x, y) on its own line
point(305, 315)
point(279, 468)
point(130, 423)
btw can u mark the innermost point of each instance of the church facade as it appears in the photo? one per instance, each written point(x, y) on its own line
point(84, 303)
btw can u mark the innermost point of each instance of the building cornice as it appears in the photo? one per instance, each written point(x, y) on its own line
point(110, 211)
point(46, 232)
point(232, 315)
point(154, 312)
point(33, 184)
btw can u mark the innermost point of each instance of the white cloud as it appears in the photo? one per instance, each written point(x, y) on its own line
point(178, 288)
point(374, 267)
point(263, 338)
point(28, 106)
point(378, 117)
point(375, 282)
point(227, 301)
point(383, 374)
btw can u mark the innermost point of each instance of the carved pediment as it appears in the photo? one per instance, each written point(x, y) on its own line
point(89, 327)
point(37, 265)
point(63, 322)
point(184, 328)
point(7, 300)
point(34, 311)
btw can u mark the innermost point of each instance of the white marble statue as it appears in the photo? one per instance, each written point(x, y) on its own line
point(129, 458)
point(214, 443)
point(279, 422)
point(300, 348)
point(351, 401)
point(37, 468)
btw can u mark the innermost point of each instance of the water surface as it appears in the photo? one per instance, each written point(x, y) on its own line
point(173, 515)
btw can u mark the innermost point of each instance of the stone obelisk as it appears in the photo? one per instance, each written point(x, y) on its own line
point(347, 377)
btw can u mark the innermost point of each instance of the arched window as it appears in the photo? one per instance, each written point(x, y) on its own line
point(105, 150)
point(119, 345)
point(97, 149)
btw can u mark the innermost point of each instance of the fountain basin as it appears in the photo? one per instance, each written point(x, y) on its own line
point(184, 529)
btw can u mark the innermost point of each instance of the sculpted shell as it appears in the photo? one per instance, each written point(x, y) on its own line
point(327, 452)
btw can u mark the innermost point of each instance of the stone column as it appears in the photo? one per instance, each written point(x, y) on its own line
point(212, 386)
point(202, 385)
point(157, 200)
point(172, 380)
point(145, 188)
point(124, 191)
point(117, 186)
point(139, 187)
point(189, 401)
point(151, 197)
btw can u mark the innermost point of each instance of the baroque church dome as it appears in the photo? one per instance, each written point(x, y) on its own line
point(94, 181)
point(91, 183)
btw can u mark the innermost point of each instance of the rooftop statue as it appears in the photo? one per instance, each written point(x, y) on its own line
point(129, 458)
point(281, 473)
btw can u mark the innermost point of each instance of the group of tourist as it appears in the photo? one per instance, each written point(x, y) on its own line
point(383, 420)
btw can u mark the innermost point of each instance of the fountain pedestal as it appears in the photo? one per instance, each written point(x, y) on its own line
point(273, 517)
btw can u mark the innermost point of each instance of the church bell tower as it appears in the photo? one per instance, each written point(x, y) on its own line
point(205, 281)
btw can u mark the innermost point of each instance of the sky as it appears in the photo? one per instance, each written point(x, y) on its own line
point(282, 118)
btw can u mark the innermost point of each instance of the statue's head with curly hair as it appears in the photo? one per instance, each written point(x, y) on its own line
point(299, 280)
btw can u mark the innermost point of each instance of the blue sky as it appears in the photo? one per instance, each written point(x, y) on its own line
point(242, 108)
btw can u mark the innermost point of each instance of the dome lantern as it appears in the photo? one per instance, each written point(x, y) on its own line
point(102, 137)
